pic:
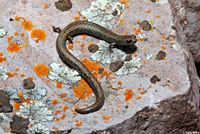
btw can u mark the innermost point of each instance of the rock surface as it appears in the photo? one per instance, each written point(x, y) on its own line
point(156, 88)
point(177, 115)
point(186, 15)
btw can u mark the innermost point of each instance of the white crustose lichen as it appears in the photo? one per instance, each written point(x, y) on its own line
point(105, 55)
point(35, 112)
point(103, 11)
point(63, 74)
point(3, 74)
point(12, 92)
point(38, 129)
point(130, 66)
point(35, 94)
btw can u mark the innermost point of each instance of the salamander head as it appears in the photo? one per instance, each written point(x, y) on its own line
point(127, 44)
point(128, 40)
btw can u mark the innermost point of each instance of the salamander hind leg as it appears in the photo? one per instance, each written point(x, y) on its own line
point(70, 39)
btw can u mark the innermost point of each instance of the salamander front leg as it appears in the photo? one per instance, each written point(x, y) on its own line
point(111, 47)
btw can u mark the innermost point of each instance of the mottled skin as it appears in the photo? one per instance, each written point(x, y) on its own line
point(99, 32)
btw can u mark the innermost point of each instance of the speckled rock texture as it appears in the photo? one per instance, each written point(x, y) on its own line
point(153, 90)
point(186, 16)
point(176, 115)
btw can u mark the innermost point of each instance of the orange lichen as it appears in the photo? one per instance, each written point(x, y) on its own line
point(27, 25)
point(165, 38)
point(138, 98)
point(142, 93)
point(38, 34)
point(22, 75)
point(112, 78)
point(70, 46)
point(2, 58)
point(65, 108)
point(144, 62)
point(22, 34)
point(120, 84)
point(138, 31)
point(19, 18)
point(147, 11)
point(57, 112)
point(163, 47)
point(138, 22)
point(158, 16)
point(17, 69)
point(77, 41)
point(46, 6)
point(16, 33)
point(92, 66)
point(13, 47)
point(124, 1)
point(57, 119)
point(63, 95)
point(105, 73)
point(17, 105)
point(55, 128)
point(41, 70)
point(83, 90)
point(126, 33)
point(10, 38)
point(84, 36)
point(121, 21)
point(31, 78)
point(10, 74)
point(58, 84)
point(128, 94)
point(63, 116)
point(106, 118)
point(135, 55)
point(78, 17)
point(54, 102)
point(78, 123)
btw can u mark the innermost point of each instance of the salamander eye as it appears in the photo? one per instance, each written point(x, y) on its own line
point(129, 41)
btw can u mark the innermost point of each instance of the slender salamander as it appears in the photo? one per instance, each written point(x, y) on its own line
point(99, 32)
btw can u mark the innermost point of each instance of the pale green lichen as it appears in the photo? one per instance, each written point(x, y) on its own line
point(12, 92)
point(63, 74)
point(103, 11)
point(130, 66)
point(38, 129)
point(3, 74)
point(104, 55)
point(3, 32)
point(35, 94)
point(35, 112)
